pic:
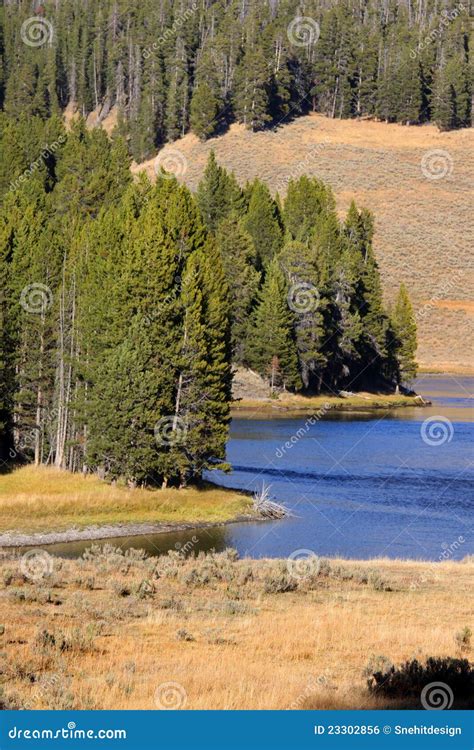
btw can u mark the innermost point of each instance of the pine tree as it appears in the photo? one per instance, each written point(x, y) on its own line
point(6, 348)
point(251, 100)
point(305, 296)
point(218, 194)
point(270, 347)
point(306, 199)
point(263, 224)
point(238, 257)
point(405, 340)
point(373, 352)
point(204, 111)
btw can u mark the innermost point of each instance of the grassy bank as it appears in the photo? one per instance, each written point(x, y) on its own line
point(311, 405)
point(226, 634)
point(37, 499)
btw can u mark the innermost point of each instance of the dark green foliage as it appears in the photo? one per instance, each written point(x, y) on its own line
point(218, 194)
point(204, 111)
point(238, 259)
point(452, 677)
point(404, 342)
point(305, 297)
point(271, 349)
point(123, 305)
point(173, 66)
point(262, 222)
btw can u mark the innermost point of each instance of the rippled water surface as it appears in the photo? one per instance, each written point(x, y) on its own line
point(358, 485)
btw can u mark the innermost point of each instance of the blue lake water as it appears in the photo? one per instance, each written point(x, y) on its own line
point(396, 485)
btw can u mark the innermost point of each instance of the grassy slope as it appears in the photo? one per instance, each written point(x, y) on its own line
point(40, 499)
point(422, 226)
point(240, 647)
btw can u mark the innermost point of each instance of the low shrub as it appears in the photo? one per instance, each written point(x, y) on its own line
point(454, 676)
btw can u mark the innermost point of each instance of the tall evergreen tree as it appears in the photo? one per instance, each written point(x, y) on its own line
point(271, 349)
point(262, 222)
point(218, 194)
point(405, 341)
point(238, 258)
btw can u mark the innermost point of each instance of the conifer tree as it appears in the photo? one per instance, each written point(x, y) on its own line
point(306, 199)
point(262, 222)
point(271, 348)
point(204, 111)
point(405, 341)
point(252, 101)
point(238, 258)
point(305, 297)
point(218, 194)
point(359, 231)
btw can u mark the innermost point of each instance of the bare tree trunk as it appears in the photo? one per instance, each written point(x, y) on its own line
point(39, 400)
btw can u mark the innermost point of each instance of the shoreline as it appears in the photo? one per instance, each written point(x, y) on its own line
point(309, 405)
point(15, 540)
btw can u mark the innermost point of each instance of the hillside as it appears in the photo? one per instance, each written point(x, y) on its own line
point(423, 226)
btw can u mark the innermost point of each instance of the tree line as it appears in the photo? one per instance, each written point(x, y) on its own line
point(124, 304)
point(170, 66)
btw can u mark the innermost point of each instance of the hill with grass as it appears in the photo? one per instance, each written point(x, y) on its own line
point(416, 180)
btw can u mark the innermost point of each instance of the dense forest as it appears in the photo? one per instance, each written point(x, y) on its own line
point(173, 65)
point(125, 304)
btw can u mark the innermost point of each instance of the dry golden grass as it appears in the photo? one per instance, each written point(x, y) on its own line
point(423, 227)
point(43, 498)
point(213, 629)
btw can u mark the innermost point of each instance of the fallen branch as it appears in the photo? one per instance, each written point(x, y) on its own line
point(266, 507)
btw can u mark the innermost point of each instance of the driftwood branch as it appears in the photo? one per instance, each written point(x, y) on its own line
point(266, 507)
